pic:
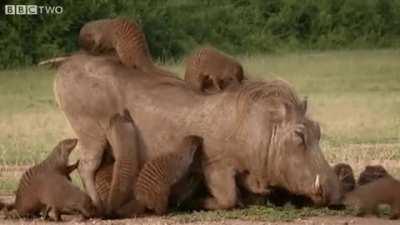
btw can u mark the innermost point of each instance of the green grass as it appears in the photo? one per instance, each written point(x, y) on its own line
point(355, 95)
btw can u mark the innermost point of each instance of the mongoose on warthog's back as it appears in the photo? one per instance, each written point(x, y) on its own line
point(48, 185)
point(366, 198)
point(371, 173)
point(157, 176)
point(209, 70)
point(345, 174)
point(120, 36)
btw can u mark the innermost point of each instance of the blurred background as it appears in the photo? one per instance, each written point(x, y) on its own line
point(175, 27)
point(343, 54)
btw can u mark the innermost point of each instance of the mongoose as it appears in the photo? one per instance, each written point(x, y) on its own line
point(121, 37)
point(157, 176)
point(371, 173)
point(366, 198)
point(103, 179)
point(47, 185)
point(345, 174)
point(210, 71)
point(169, 164)
point(123, 139)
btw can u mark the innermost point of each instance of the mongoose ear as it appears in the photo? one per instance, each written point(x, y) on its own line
point(72, 167)
point(68, 144)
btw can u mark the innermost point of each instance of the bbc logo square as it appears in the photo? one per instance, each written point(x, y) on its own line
point(9, 9)
point(31, 9)
point(20, 9)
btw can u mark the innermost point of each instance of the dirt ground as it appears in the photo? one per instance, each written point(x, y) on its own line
point(326, 220)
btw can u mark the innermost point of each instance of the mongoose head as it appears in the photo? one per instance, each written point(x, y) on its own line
point(345, 174)
point(60, 156)
point(372, 173)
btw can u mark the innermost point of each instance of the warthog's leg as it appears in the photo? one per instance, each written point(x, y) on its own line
point(91, 156)
point(222, 185)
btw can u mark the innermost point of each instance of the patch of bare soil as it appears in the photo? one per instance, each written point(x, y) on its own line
point(322, 220)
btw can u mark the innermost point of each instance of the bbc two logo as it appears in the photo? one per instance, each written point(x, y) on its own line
point(32, 9)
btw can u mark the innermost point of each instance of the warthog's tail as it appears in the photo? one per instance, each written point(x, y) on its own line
point(54, 62)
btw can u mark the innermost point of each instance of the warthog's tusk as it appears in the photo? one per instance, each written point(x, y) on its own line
point(317, 185)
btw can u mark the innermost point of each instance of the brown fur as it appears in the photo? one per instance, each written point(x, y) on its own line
point(48, 185)
point(210, 71)
point(157, 177)
point(371, 173)
point(259, 129)
point(345, 174)
point(153, 186)
point(120, 36)
point(122, 137)
point(103, 180)
point(368, 197)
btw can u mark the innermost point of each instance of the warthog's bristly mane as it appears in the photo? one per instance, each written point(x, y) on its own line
point(262, 91)
point(255, 91)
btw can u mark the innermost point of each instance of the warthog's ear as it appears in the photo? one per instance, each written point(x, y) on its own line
point(304, 106)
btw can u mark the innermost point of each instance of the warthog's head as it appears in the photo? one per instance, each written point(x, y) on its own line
point(59, 157)
point(285, 149)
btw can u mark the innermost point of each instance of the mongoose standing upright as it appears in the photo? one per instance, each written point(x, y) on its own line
point(47, 185)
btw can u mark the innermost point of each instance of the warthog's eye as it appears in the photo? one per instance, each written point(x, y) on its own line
point(300, 136)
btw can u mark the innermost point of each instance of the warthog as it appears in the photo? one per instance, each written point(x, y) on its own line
point(371, 173)
point(366, 198)
point(120, 36)
point(345, 174)
point(211, 71)
point(47, 185)
point(258, 131)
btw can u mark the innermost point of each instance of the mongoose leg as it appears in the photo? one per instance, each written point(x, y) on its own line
point(91, 157)
point(46, 212)
point(131, 209)
point(395, 211)
point(161, 207)
point(57, 214)
point(222, 185)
